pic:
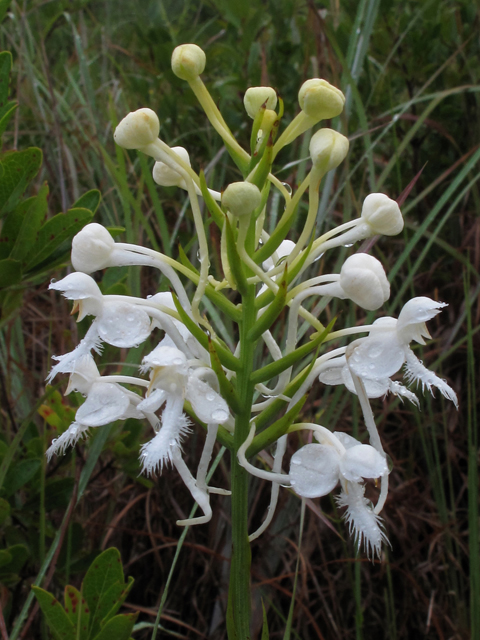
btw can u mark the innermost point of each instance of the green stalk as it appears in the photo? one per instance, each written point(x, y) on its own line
point(239, 596)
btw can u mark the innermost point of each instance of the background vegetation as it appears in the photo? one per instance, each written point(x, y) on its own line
point(411, 76)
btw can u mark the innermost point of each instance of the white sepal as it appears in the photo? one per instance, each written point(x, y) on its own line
point(105, 403)
point(209, 406)
point(314, 470)
point(362, 461)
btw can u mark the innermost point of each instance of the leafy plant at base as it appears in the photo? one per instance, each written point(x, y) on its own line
point(89, 614)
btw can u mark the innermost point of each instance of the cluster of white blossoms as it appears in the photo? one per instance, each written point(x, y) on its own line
point(191, 374)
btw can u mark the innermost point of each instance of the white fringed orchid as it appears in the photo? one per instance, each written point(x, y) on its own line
point(106, 401)
point(376, 358)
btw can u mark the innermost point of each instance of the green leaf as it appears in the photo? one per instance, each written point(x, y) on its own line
point(226, 387)
point(113, 599)
point(227, 358)
point(5, 557)
point(212, 206)
point(77, 610)
point(89, 200)
point(19, 475)
point(57, 619)
point(4, 4)
point(275, 431)
point(275, 368)
point(55, 231)
point(104, 572)
point(33, 217)
point(234, 261)
point(4, 510)
point(20, 167)
point(5, 116)
point(19, 554)
point(10, 273)
point(265, 634)
point(275, 308)
point(118, 628)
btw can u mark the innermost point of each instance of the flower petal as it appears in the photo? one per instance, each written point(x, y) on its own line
point(123, 325)
point(362, 461)
point(208, 405)
point(314, 470)
point(106, 402)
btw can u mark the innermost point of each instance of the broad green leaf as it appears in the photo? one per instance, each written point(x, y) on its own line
point(104, 572)
point(57, 619)
point(89, 200)
point(118, 628)
point(30, 226)
point(5, 558)
point(11, 227)
point(18, 556)
point(5, 116)
point(4, 4)
point(19, 474)
point(4, 510)
point(55, 231)
point(10, 273)
point(20, 167)
point(112, 600)
point(77, 610)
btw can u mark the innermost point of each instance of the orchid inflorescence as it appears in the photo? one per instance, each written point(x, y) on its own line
point(193, 371)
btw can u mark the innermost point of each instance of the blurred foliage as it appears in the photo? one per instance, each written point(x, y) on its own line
point(411, 76)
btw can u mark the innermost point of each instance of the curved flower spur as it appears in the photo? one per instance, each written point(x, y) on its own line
point(262, 279)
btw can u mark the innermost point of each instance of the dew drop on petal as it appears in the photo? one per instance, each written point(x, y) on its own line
point(219, 415)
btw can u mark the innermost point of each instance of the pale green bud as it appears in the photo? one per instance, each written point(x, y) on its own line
point(241, 198)
point(138, 129)
point(256, 97)
point(320, 100)
point(188, 61)
point(382, 214)
point(328, 148)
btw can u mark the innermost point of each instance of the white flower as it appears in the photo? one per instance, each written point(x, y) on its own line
point(105, 403)
point(118, 323)
point(92, 248)
point(377, 357)
point(317, 468)
point(173, 380)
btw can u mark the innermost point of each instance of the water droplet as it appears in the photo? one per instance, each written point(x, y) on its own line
point(130, 318)
point(219, 415)
point(292, 483)
point(53, 281)
point(295, 461)
point(347, 246)
point(396, 117)
point(149, 296)
point(210, 397)
point(287, 188)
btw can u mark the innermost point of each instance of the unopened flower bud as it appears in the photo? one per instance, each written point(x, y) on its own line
point(320, 100)
point(241, 198)
point(328, 148)
point(138, 129)
point(92, 248)
point(364, 281)
point(188, 61)
point(165, 176)
point(382, 214)
point(256, 97)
